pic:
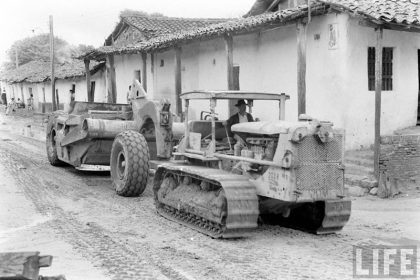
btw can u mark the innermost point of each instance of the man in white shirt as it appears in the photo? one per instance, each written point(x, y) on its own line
point(241, 117)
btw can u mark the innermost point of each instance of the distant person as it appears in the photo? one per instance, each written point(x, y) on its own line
point(11, 106)
point(20, 104)
point(72, 101)
point(31, 102)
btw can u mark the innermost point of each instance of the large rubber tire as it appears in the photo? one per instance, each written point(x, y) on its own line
point(52, 149)
point(129, 163)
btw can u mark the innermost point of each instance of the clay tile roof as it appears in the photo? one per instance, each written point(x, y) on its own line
point(40, 71)
point(158, 26)
point(405, 12)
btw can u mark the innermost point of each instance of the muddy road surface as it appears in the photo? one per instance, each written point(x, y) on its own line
point(95, 234)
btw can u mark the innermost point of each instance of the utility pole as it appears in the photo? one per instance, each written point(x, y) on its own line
point(54, 105)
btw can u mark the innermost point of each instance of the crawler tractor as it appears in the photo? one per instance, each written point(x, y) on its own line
point(289, 173)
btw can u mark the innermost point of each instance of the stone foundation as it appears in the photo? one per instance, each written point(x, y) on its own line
point(400, 159)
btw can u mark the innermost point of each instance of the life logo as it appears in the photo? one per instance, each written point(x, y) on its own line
point(385, 261)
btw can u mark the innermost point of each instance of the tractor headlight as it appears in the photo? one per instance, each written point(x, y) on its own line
point(325, 134)
point(298, 134)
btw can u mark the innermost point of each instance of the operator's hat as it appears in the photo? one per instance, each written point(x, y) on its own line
point(240, 102)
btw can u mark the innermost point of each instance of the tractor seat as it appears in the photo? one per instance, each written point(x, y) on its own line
point(204, 127)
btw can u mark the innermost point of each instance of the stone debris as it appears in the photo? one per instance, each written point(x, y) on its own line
point(373, 191)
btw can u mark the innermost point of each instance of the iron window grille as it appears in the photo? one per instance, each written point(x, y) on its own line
point(387, 71)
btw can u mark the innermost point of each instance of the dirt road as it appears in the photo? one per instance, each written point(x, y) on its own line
point(95, 234)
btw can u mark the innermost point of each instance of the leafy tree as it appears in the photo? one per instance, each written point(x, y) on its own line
point(38, 48)
point(35, 48)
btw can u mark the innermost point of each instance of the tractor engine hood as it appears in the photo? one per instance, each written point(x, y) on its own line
point(296, 130)
point(267, 128)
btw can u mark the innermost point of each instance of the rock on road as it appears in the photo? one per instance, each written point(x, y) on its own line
point(95, 234)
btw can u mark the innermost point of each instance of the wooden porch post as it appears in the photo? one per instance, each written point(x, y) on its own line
point(21, 92)
point(301, 67)
point(378, 93)
point(112, 86)
point(178, 82)
point(87, 70)
point(144, 71)
point(229, 63)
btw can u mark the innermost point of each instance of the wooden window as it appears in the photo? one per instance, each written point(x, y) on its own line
point(92, 89)
point(387, 57)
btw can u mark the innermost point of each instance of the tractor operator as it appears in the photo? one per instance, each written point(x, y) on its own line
point(240, 117)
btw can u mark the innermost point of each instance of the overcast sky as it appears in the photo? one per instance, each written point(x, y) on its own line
point(91, 21)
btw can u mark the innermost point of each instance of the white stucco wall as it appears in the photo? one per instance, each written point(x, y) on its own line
point(164, 76)
point(205, 69)
point(125, 67)
point(125, 71)
point(267, 62)
point(81, 90)
point(399, 106)
point(100, 86)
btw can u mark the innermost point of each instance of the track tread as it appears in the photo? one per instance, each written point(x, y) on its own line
point(241, 197)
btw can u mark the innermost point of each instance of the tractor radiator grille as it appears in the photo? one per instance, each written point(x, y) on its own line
point(312, 150)
point(320, 177)
point(320, 164)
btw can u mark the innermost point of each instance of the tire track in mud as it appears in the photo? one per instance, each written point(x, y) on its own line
point(112, 255)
